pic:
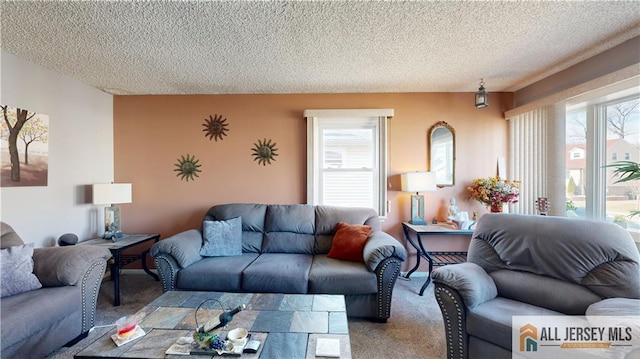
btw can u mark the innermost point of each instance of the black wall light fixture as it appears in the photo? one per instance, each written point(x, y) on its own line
point(482, 96)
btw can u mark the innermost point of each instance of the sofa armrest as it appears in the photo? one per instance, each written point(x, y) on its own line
point(174, 253)
point(60, 266)
point(457, 288)
point(473, 284)
point(79, 266)
point(183, 247)
point(381, 246)
point(615, 307)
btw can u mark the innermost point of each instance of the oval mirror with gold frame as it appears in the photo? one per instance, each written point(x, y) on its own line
point(442, 153)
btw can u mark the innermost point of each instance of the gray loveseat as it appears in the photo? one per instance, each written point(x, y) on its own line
point(534, 265)
point(284, 250)
point(36, 322)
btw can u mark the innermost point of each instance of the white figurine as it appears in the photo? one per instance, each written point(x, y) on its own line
point(453, 209)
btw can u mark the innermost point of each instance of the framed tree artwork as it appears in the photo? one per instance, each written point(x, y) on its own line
point(24, 147)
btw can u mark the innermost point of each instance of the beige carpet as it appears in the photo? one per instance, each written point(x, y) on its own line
point(415, 329)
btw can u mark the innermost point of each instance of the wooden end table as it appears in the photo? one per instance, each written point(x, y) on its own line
point(120, 260)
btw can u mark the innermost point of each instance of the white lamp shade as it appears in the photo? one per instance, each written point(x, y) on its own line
point(418, 181)
point(110, 193)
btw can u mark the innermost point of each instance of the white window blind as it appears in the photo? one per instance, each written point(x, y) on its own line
point(528, 160)
point(346, 158)
point(537, 158)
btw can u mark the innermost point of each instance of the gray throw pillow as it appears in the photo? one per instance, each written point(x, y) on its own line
point(222, 238)
point(17, 270)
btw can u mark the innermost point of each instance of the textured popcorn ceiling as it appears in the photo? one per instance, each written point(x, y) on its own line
point(176, 47)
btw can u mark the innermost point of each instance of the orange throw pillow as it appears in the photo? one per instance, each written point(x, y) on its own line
point(349, 241)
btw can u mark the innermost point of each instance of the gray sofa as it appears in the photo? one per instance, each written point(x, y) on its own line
point(36, 322)
point(534, 265)
point(284, 250)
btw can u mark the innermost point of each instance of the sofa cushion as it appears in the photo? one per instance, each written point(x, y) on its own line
point(334, 276)
point(17, 270)
point(543, 291)
point(215, 273)
point(222, 238)
point(23, 315)
point(615, 312)
point(328, 216)
point(278, 273)
point(252, 221)
point(349, 241)
point(289, 229)
point(491, 321)
point(615, 307)
point(287, 242)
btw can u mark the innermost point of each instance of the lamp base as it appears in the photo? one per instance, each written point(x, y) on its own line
point(417, 209)
point(112, 223)
point(114, 236)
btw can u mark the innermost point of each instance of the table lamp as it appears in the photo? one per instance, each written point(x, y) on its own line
point(112, 193)
point(418, 182)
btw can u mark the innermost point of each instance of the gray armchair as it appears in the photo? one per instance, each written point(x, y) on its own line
point(533, 265)
point(62, 311)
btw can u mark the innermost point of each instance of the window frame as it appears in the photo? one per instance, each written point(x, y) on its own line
point(596, 149)
point(314, 158)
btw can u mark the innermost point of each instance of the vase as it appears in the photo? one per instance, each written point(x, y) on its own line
point(496, 208)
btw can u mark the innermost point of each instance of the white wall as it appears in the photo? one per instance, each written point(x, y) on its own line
point(80, 152)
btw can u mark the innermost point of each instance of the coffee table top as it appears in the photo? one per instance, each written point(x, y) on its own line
point(287, 325)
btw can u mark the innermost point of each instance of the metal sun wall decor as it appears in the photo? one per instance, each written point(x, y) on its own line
point(188, 167)
point(264, 151)
point(215, 127)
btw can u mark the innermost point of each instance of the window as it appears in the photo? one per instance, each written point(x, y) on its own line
point(606, 126)
point(346, 158)
point(572, 138)
point(577, 154)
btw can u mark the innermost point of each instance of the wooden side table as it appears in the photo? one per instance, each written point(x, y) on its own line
point(435, 258)
point(120, 260)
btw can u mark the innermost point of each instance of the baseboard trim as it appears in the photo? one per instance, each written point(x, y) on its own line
point(107, 274)
point(136, 271)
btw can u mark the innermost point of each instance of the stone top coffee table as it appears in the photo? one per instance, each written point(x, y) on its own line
point(287, 325)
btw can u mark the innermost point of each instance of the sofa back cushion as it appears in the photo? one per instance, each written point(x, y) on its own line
point(327, 218)
point(289, 229)
point(561, 296)
point(598, 256)
point(252, 216)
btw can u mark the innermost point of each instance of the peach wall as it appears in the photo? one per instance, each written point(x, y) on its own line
point(152, 132)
